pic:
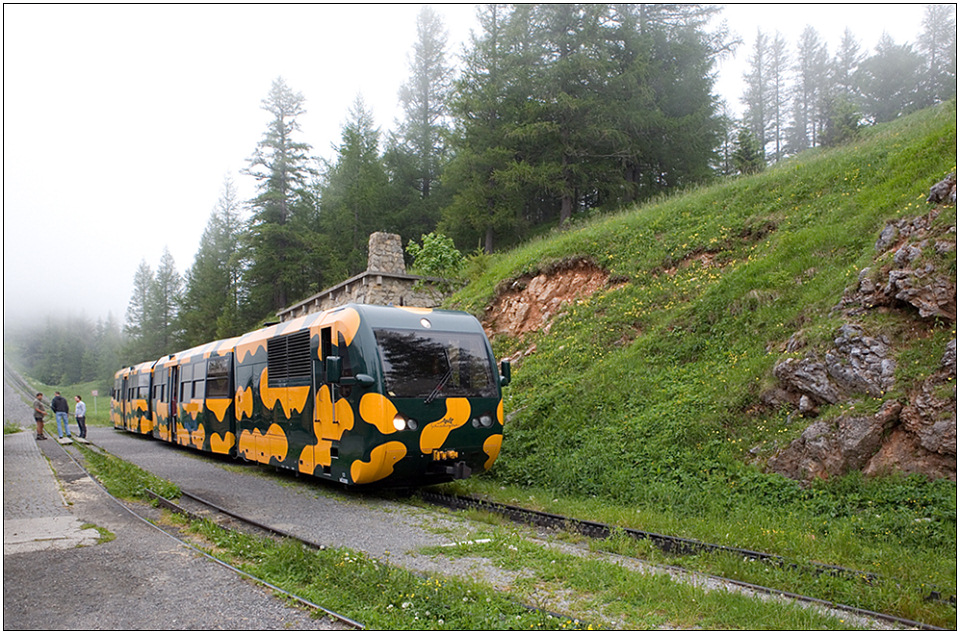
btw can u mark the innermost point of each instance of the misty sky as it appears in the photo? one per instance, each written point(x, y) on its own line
point(121, 121)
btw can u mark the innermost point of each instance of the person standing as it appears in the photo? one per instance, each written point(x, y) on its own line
point(39, 411)
point(80, 413)
point(62, 412)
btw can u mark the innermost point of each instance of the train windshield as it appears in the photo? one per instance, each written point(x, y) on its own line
point(430, 365)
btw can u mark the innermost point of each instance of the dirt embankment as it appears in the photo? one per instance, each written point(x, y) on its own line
point(530, 302)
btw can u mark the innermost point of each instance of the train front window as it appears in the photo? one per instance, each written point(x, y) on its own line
point(435, 364)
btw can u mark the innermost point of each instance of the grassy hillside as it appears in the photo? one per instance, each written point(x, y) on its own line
point(645, 397)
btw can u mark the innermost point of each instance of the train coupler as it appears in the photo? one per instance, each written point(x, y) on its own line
point(458, 470)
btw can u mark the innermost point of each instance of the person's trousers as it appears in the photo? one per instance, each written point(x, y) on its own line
point(62, 418)
point(82, 424)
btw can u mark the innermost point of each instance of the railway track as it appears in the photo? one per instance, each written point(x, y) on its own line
point(205, 510)
point(683, 546)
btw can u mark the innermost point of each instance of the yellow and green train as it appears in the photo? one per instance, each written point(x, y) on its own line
point(362, 395)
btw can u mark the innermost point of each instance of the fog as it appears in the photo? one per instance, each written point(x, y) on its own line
point(121, 122)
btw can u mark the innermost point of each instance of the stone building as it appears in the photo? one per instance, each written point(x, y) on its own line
point(384, 282)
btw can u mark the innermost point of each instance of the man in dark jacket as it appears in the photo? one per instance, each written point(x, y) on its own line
point(61, 410)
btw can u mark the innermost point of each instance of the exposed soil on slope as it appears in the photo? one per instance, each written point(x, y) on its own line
point(529, 303)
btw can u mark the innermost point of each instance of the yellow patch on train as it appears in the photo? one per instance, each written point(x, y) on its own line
point(349, 324)
point(313, 455)
point(192, 408)
point(250, 348)
point(292, 399)
point(491, 447)
point(261, 447)
point(244, 403)
point(377, 410)
point(195, 438)
point(326, 425)
point(382, 460)
point(219, 407)
point(435, 434)
point(222, 444)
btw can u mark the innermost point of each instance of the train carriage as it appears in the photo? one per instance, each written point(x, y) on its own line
point(130, 402)
point(359, 394)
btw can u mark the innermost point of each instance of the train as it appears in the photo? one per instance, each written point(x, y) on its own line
point(363, 395)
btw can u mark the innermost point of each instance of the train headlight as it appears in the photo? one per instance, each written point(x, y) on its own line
point(400, 422)
point(484, 421)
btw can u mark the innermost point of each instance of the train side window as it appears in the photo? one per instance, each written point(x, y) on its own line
point(326, 349)
point(218, 377)
point(186, 382)
point(143, 387)
point(199, 374)
point(347, 366)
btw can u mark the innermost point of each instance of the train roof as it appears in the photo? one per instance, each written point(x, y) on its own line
point(349, 315)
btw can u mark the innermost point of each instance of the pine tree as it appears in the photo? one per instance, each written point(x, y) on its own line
point(748, 155)
point(212, 295)
point(844, 68)
point(889, 81)
point(140, 327)
point(164, 301)
point(424, 130)
point(810, 92)
point(756, 96)
point(283, 170)
point(490, 94)
point(355, 189)
point(418, 151)
point(779, 94)
point(937, 45)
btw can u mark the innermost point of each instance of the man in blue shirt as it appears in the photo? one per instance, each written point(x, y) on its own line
point(61, 411)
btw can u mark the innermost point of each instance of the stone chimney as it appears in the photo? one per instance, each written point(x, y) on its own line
point(385, 254)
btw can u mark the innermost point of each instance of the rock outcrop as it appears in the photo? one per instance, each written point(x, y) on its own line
point(906, 271)
point(911, 276)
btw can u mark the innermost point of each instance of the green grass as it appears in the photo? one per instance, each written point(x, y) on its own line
point(632, 600)
point(384, 597)
point(126, 480)
point(645, 397)
point(381, 596)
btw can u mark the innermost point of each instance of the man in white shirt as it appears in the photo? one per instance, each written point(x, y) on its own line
point(80, 413)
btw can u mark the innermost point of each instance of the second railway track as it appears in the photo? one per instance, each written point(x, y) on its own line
point(683, 546)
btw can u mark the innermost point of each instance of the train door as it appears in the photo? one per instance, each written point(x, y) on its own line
point(157, 399)
point(121, 396)
point(129, 394)
point(324, 413)
point(173, 389)
point(325, 404)
point(218, 411)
